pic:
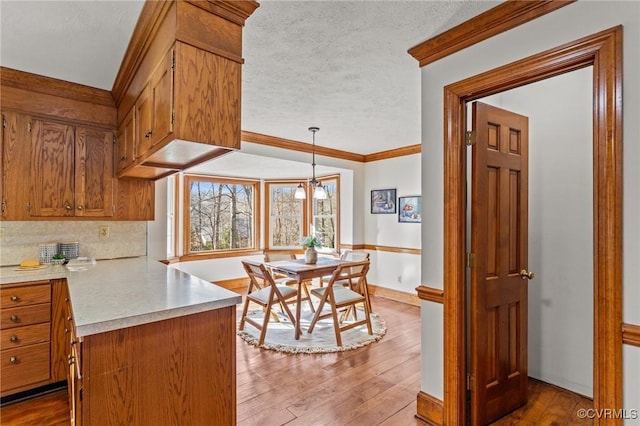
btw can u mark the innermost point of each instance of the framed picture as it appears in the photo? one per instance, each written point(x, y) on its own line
point(410, 209)
point(383, 201)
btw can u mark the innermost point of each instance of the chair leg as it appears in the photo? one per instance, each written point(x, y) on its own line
point(305, 287)
point(316, 316)
point(265, 323)
point(336, 324)
point(245, 309)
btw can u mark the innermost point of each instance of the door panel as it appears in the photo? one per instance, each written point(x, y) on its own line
point(499, 239)
point(52, 152)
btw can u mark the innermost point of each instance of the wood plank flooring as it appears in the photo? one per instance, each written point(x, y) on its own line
point(374, 385)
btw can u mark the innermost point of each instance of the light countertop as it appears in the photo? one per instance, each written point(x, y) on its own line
point(122, 293)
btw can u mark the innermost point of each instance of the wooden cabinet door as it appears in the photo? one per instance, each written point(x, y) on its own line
point(93, 172)
point(135, 199)
point(143, 130)
point(126, 141)
point(161, 85)
point(207, 87)
point(52, 181)
point(60, 332)
point(16, 165)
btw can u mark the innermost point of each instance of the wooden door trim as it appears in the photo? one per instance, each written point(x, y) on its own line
point(494, 21)
point(603, 51)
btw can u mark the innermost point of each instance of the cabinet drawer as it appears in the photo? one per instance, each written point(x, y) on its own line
point(25, 295)
point(26, 315)
point(23, 366)
point(22, 336)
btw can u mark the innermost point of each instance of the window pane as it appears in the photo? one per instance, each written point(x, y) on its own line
point(221, 215)
point(325, 213)
point(285, 216)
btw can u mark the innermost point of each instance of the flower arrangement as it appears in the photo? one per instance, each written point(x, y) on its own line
point(311, 241)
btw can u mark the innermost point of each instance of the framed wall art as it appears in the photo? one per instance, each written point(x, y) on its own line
point(383, 201)
point(410, 209)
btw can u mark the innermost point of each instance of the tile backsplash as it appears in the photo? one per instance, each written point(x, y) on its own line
point(21, 239)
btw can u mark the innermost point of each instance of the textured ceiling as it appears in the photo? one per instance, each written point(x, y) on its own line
point(339, 65)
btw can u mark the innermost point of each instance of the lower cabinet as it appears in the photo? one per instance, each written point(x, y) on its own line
point(170, 372)
point(34, 335)
point(25, 324)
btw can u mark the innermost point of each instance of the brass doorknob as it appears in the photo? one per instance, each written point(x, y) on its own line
point(526, 275)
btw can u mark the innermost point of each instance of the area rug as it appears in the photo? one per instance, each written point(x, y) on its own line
point(281, 335)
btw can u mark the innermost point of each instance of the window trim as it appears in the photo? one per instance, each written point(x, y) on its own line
point(186, 225)
point(307, 207)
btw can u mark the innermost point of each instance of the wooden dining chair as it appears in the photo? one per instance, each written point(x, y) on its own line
point(273, 292)
point(353, 256)
point(275, 255)
point(338, 296)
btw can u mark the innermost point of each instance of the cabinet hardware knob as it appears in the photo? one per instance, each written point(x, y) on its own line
point(67, 207)
point(14, 298)
point(13, 339)
point(69, 318)
point(147, 134)
point(14, 318)
point(123, 158)
point(13, 360)
point(79, 207)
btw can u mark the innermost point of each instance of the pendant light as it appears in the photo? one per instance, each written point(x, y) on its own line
point(319, 193)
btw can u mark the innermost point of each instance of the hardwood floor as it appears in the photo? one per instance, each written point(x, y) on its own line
point(374, 385)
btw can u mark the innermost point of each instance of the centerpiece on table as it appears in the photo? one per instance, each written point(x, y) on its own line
point(310, 243)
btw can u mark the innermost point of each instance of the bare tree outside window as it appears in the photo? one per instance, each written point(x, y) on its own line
point(221, 214)
point(325, 214)
point(285, 216)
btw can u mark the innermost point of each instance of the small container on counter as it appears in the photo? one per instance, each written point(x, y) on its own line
point(46, 252)
point(70, 249)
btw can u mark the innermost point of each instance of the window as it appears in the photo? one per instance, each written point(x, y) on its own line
point(287, 219)
point(325, 215)
point(220, 214)
point(285, 216)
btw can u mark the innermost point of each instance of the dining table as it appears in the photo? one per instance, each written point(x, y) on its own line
point(300, 271)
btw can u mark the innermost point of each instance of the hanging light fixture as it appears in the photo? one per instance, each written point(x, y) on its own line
point(319, 193)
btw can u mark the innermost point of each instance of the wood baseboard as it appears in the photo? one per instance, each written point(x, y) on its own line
point(398, 296)
point(238, 285)
point(430, 409)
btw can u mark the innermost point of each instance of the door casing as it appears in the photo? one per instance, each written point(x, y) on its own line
point(602, 51)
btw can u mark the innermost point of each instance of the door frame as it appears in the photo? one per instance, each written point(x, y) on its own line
point(602, 51)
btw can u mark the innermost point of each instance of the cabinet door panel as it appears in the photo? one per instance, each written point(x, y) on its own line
point(207, 87)
point(162, 95)
point(52, 183)
point(94, 172)
point(143, 122)
point(16, 165)
point(126, 139)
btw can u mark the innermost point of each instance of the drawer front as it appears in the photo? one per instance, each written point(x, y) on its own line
point(25, 295)
point(26, 315)
point(23, 366)
point(22, 336)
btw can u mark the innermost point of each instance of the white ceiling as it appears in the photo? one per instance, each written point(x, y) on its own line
point(340, 65)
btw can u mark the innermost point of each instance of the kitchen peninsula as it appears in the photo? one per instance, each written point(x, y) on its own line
point(149, 344)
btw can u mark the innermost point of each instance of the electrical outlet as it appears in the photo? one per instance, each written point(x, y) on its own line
point(399, 278)
point(103, 232)
point(1, 233)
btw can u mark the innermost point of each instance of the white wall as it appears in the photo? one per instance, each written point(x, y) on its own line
point(560, 226)
point(398, 271)
point(564, 25)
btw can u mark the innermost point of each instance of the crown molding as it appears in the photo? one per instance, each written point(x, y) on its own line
point(499, 19)
point(274, 141)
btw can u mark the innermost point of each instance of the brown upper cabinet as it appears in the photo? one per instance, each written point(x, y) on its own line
point(16, 165)
point(181, 82)
point(71, 170)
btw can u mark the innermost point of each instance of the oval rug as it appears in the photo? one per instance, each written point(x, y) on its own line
point(280, 335)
